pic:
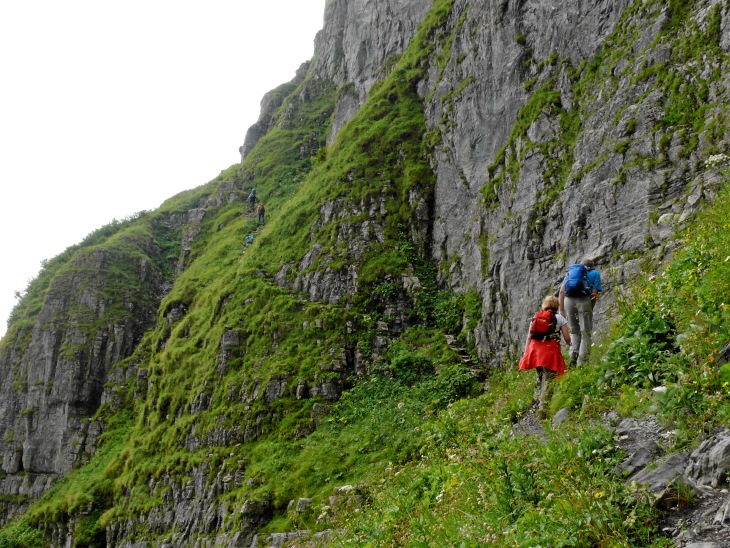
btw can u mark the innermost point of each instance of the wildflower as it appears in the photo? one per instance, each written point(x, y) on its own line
point(716, 159)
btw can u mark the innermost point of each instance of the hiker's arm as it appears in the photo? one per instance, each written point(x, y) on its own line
point(561, 300)
point(566, 334)
point(594, 298)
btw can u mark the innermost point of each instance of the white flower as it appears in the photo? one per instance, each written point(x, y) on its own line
point(717, 159)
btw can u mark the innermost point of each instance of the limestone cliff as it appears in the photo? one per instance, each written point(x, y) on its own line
point(429, 149)
point(93, 315)
point(554, 142)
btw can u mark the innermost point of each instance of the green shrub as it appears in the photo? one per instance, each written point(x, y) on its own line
point(21, 535)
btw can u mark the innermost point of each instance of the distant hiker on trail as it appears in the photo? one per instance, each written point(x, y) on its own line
point(578, 296)
point(249, 239)
point(251, 200)
point(262, 213)
point(542, 349)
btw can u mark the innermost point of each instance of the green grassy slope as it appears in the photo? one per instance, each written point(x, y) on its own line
point(433, 464)
point(282, 336)
point(475, 482)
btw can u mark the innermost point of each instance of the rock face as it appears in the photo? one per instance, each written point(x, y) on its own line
point(54, 373)
point(521, 193)
point(692, 486)
point(520, 267)
point(554, 142)
point(356, 44)
point(269, 104)
point(192, 506)
point(53, 383)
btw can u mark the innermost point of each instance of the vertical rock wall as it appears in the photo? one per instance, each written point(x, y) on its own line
point(358, 40)
point(515, 249)
point(495, 48)
point(52, 377)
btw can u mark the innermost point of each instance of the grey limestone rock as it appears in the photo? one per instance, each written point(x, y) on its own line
point(658, 479)
point(56, 380)
point(710, 462)
point(357, 40)
point(269, 104)
point(560, 417)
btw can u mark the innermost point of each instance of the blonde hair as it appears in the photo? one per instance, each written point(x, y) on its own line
point(550, 302)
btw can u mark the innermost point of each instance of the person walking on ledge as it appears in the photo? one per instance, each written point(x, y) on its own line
point(251, 200)
point(578, 296)
point(542, 349)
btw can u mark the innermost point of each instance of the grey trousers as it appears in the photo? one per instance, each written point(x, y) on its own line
point(580, 321)
point(544, 378)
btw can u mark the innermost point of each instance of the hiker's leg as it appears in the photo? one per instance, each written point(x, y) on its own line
point(541, 387)
point(585, 317)
point(547, 390)
point(571, 311)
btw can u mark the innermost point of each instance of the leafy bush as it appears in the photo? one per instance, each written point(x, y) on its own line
point(21, 535)
point(448, 311)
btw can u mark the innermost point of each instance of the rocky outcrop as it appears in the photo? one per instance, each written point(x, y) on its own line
point(56, 374)
point(515, 249)
point(269, 105)
point(192, 511)
point(357, 44)
point(54, 383)
point(493, 46)
point(691, 488)
point(51, 386)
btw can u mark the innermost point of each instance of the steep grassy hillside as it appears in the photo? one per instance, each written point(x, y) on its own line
point(324, 359)
point(241, 368)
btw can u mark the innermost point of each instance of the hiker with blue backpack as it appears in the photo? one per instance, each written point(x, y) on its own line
point(578, 296)
point(251, 200)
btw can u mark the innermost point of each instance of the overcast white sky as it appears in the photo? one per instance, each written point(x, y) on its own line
point(109, 108)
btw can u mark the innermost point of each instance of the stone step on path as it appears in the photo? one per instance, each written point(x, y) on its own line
point(464, 356)
point(460, 350)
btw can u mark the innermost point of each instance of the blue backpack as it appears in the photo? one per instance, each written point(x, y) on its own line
point(577, 283)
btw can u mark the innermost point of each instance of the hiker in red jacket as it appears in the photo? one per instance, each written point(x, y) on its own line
point(542, 349)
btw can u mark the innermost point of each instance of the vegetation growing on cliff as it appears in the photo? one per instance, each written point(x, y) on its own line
point(202, 412)
point(228, 390)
